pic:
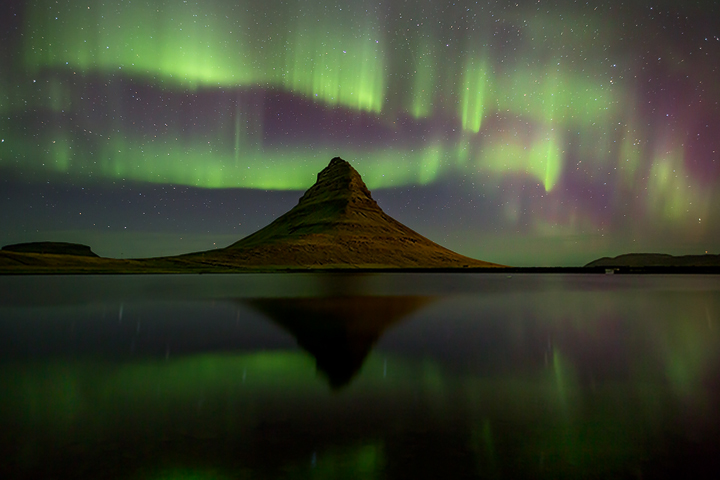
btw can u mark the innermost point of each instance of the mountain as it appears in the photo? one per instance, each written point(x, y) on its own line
point(337, 224)
point(656, 260)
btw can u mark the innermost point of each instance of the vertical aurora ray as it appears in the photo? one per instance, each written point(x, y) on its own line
point(671, 197)
point(631, 151)
point(423, 57)
point(540, 158)
point(474, 94)
point(337, 66)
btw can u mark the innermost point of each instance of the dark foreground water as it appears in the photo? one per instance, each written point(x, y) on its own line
point(366, 376)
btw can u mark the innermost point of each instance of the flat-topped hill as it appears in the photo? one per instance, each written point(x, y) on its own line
point(52, 248)
point(656, 260)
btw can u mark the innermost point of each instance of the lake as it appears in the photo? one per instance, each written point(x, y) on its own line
point(359, 376)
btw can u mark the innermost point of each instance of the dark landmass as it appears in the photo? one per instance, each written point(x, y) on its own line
point(53, 248)
point(336, 225)
point(656, 260)
point(18, 263)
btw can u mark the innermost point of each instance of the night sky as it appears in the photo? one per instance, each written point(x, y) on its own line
point(525, 133)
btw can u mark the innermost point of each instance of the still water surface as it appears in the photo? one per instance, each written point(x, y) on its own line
point(360, 376)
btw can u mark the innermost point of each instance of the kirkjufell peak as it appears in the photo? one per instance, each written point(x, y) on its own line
point(339, 181)
point(337, 224)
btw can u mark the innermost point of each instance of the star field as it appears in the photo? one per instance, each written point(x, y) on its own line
point(525, 133)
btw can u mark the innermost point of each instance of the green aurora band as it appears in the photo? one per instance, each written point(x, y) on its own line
point(214, 43)
point(326, 55)
point(522, 105)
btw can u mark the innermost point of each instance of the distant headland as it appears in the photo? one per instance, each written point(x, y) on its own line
point(658, 263)
point(53, 248)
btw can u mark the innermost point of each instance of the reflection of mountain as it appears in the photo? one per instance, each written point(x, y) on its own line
point(338, 331)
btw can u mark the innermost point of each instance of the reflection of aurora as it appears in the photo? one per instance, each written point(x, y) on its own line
point(238, 405)
point(588, 381)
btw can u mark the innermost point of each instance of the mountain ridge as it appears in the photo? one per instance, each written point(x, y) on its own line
point(656, 260)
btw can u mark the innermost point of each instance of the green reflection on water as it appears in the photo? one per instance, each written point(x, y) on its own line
point(185, 474)
point(363, 461)
point(61, 392)
point(75, 405)
point(545, 422)
point(531, 392)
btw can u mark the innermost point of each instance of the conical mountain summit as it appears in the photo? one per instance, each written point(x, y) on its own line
point(337, 224)
point(338, 202)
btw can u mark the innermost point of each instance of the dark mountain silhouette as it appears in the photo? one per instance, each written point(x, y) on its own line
point(53, 248)
point(338, 331)
point(337, 223)
point(656, 260)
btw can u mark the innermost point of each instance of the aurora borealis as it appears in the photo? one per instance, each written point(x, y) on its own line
point(526, 133)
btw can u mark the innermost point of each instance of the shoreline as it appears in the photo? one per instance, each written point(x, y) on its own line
point(85, 270)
